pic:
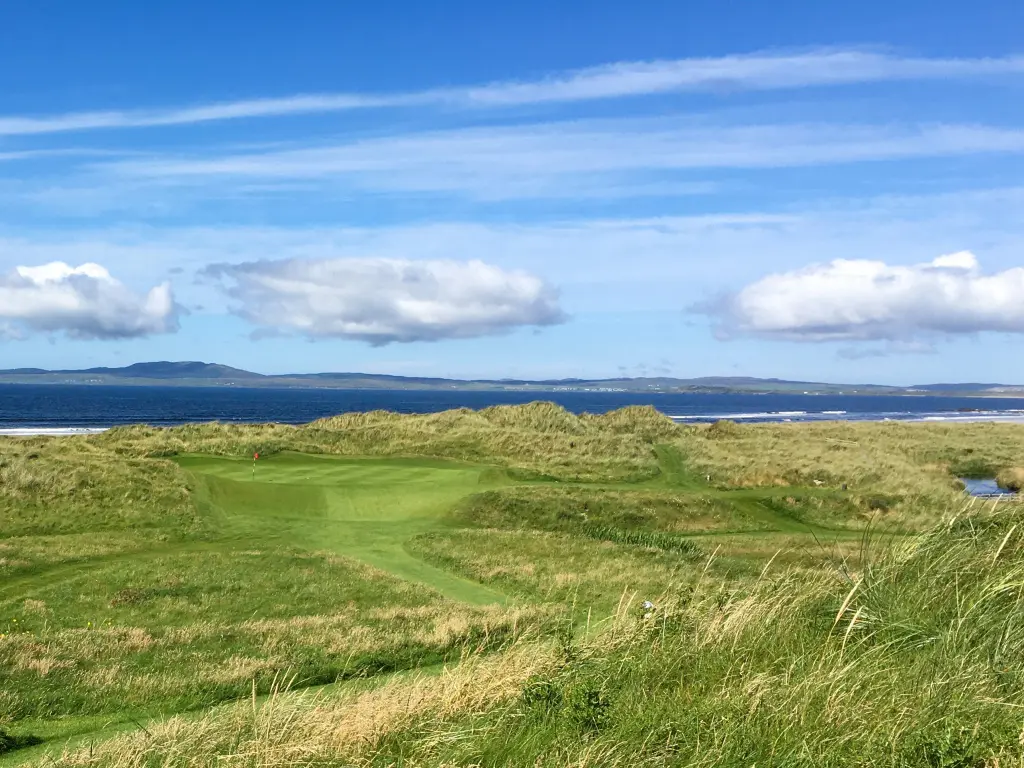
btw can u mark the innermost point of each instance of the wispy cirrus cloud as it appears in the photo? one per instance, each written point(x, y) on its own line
point(616, 157)
point(759, 71)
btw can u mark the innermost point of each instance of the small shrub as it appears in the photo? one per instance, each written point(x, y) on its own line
point(723, 429)
point(879, 503)
point(588, 706)
point(1011, 479)
point(542, 697)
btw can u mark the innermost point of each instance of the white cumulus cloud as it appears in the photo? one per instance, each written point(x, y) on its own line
point(864, 300)
point(85, 302)
point(380, 301)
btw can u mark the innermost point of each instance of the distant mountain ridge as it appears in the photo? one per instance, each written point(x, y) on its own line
point(196, 373)
point(169, 370)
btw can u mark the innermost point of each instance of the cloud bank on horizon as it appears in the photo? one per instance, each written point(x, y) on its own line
point(595, 202)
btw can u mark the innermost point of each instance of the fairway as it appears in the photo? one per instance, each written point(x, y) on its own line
point(366, 509)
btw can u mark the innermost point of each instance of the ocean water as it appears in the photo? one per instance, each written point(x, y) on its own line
point(26, 408)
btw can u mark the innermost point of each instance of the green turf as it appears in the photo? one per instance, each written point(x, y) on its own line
point(136, 587)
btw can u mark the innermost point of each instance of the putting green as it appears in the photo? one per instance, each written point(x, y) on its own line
point(366, 509)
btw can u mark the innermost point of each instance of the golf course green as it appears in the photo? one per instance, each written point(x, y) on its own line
point(366, 509)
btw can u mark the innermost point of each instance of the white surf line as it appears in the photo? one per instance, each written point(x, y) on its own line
point(760, 415)
point(50, 431)
point(931, 418)
point(975, 418)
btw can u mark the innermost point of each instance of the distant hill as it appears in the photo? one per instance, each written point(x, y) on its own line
point(193, 373)
point(168, 370)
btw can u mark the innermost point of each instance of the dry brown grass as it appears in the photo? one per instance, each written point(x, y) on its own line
point(1011, 478)
point(308, 729)
point(134, 665)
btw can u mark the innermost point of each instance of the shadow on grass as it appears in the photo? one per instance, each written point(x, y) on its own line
point(10, 743)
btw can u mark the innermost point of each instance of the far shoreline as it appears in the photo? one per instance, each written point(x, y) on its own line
point(931, 420)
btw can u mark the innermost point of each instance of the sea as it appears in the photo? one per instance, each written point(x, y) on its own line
point(70, 409)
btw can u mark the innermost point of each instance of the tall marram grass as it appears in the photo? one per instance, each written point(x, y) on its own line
point(911, 656)
point(539, 438)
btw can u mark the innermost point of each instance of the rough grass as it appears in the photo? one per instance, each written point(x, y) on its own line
point(913, 660)
point(180, 631)
point(554, 567)
point(901, 470)
point(573, 509)
point(23, 555)
point(345, 729)
point(73, 485)
point(1012, 479)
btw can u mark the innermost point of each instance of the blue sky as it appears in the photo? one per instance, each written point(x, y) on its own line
point(527, 190)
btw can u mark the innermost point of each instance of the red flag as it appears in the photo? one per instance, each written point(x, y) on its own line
point(255, 456)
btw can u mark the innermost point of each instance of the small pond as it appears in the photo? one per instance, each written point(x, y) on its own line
point(984, 486)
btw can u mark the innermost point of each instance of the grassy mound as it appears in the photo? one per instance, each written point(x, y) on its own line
point(542, 439)
point(74, 485)
point(147, 572)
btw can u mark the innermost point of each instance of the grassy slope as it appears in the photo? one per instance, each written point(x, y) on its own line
point(913, 661)
point(533, 502)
